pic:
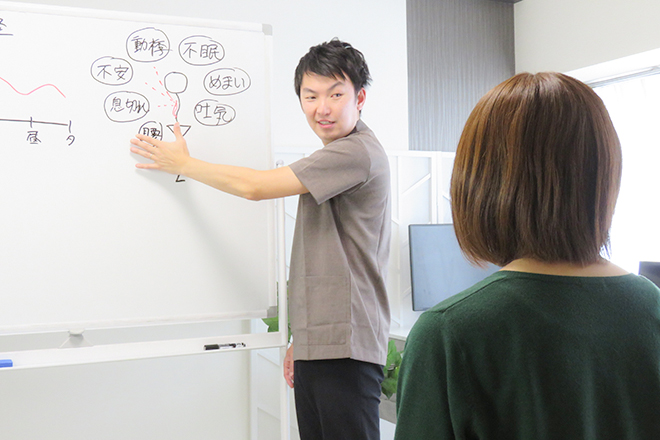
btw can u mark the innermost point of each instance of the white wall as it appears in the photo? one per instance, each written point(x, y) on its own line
point(565, 35)
point(207, 397)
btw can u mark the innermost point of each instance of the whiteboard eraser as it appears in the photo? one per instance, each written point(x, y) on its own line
point(6, 363)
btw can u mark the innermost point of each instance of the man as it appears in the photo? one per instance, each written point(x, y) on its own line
point(338, 303)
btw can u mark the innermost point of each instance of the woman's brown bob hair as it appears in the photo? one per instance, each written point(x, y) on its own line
point(537, 173)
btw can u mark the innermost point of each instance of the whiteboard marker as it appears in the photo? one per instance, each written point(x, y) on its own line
point(223, 346)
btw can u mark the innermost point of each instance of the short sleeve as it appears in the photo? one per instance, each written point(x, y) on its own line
point(340, 166)
point(422, 394)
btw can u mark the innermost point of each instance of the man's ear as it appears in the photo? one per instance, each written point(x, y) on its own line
point(361, 98)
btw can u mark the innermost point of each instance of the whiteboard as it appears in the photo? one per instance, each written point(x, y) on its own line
point(89, 240)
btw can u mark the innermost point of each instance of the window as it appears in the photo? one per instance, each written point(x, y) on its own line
point(634, 107)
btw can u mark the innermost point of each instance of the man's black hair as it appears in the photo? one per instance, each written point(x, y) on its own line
point(334, 59)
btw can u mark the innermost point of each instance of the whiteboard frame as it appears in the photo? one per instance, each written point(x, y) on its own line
point(78, 326)
point(143, 350)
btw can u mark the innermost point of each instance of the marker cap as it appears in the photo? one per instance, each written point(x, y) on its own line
point(6, 363)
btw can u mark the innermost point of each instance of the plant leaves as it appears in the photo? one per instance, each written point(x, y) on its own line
point(272, 323)
point(389, 387)
point(393, 355)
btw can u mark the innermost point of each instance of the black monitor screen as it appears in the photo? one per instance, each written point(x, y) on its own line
point(438, 268)
point(651, 270)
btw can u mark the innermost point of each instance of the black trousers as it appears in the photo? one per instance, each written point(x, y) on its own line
point(337, 399)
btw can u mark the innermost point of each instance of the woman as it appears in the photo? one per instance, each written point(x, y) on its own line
point(560, 343)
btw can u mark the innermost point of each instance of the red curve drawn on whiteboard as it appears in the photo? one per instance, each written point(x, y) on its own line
point(40, 87)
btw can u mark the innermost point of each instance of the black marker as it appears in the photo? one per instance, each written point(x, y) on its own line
point(222, 346)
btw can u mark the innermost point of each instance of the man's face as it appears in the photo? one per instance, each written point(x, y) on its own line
point(331, 106)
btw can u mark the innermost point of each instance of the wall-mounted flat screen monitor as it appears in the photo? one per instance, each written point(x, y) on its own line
point(651, 270)
point(438, 268)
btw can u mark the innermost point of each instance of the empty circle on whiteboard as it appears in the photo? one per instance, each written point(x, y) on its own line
point(176, 82)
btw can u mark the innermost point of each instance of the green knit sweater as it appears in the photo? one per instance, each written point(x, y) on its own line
point(529, 356)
